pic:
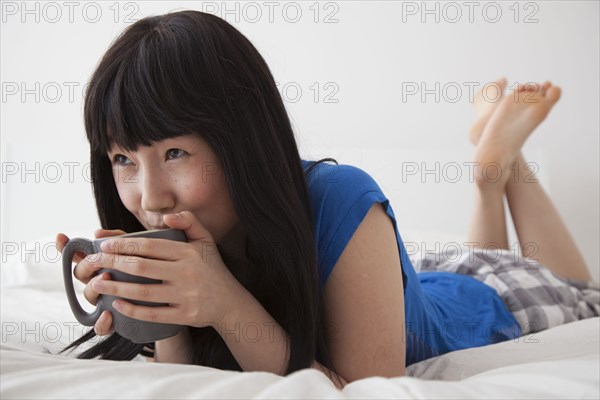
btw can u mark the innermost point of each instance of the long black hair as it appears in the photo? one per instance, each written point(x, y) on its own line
point(192, 72)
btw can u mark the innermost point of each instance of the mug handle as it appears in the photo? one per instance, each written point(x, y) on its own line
point(86, 246)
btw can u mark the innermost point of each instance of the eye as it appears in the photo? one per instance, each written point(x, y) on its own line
point(175, 153)
point(121, 160)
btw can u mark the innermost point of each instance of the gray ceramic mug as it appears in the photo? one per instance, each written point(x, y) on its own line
point(133, 329)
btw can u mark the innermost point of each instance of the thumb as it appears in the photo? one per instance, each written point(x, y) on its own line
point(61, 242)
point(187, 222)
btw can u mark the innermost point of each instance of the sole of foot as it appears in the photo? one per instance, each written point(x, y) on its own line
point(508, 125)
point(484, 103)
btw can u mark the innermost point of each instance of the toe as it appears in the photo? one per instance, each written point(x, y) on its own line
point(553, 94)
point(529, 87)
point(545, 86)
point(491, 95)
point(502, 82)
point(500, 85)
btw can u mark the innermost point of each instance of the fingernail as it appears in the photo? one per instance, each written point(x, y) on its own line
point(92, 258)
point(98, 323)
point(176, 216)
point(107, 244)
point(102, 317)
point(98, 286)
point(117, 305)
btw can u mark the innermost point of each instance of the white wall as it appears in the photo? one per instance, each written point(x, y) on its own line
point(364, 57)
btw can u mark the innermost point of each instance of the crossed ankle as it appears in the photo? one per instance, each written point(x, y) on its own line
point(491, 176)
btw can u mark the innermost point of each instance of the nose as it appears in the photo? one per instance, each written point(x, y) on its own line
point(157, 191)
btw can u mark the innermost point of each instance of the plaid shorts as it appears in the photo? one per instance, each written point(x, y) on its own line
point(537, 297)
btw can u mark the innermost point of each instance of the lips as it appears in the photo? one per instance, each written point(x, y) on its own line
point(155, 222)
point(151, 228)
point(157, 226)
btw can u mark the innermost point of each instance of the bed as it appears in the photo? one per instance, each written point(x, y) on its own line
point(562, 362)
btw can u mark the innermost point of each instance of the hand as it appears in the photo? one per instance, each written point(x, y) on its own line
point(85, 271)
point(196, 284)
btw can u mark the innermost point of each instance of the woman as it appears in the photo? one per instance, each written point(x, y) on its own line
point(290, 264)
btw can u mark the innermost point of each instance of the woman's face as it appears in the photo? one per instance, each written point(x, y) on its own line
point(171, 176)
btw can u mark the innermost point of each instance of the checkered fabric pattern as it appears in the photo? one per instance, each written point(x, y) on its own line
point(537, 297)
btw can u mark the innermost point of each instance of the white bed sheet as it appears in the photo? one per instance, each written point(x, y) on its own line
point(562, 362)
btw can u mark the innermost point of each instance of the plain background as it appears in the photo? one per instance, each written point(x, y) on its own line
point(385, 86)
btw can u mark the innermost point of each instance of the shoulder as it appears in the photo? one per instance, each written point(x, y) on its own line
point(339, 191)
point(326, 179)
point(341, 195)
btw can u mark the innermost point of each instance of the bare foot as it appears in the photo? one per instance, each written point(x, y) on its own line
point(484, 103)
point(509, 125)
point(487, 99)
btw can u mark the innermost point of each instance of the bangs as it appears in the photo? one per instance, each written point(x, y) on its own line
point(139, 95)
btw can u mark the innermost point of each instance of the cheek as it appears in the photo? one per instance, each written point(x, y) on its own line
point(196, 191)
point(204, 183)
point(210, 198)
point(129, 196)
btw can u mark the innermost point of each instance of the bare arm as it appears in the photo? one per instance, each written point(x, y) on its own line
point(176, 349)
point(256, 340)
point(364, 302)
point(240, 333)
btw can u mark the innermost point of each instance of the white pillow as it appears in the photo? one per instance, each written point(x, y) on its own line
point(35, 264)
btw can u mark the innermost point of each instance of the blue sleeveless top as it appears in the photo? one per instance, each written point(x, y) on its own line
point(443, 311)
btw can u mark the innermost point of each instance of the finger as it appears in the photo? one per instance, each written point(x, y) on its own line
point(100, 233)
point(155, 293)
point(89, 293)
point(103, 326)
point(165, 315)
point(92, 263)
point(146, 267)
point(193, 228)
point(160, 249)
point(61, 241)
point(87, 268)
